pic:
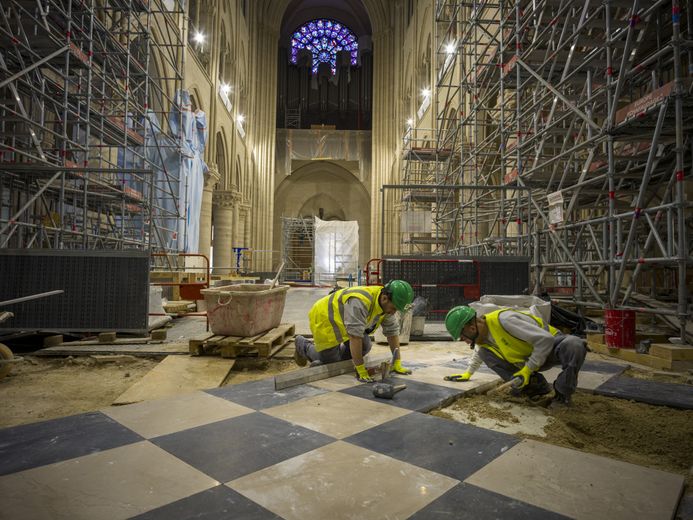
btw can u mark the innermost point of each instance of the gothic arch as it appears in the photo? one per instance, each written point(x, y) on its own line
point(237, 177)
point(221, 158)
point(305, 188)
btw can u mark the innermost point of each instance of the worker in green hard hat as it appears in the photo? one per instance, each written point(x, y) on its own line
point(342, 321)
point(517, 344)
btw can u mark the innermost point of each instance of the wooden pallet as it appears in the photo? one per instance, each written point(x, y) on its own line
point(266, 344)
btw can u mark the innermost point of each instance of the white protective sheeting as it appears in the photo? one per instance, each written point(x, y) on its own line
point(493, 302)
point(336, 249)
point(193, 135)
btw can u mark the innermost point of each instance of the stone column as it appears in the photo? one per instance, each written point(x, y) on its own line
point(211, 178)
point(223, 231)
point(235, 237)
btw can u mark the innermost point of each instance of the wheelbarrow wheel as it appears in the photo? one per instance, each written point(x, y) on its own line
point(5, 354)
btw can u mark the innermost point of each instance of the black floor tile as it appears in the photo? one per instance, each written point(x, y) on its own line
point(217, 503)
point(418, 396)
point(37, 444)
point(465, 501)
point(451, 448)
point(261, 394)
point(603, 367)
point(232, 448)
point(651, 392)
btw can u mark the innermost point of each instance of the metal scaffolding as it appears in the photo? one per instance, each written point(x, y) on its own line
point(588, 105)
point(298, 249)
point(89, 146)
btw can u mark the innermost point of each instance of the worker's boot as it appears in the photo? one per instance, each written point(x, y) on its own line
point(299, 351)
point(560, 401)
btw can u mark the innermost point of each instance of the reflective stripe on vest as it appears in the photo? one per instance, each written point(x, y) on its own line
point(510, 348)
point(327, 314)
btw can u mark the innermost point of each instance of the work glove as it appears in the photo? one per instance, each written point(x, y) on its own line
point(363, 375)
point(397, 368)
point(466, 376)
point(525, 373)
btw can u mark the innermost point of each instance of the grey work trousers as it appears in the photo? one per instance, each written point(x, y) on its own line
point(568, 351)
point(340, 352)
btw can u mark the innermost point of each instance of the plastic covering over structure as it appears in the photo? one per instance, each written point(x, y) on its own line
point(89, 154)
point(336, 250)
point(563, 132)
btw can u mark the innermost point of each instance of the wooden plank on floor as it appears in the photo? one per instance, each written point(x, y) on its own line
point(162, 349)
point(306, 375)
point(176, 375)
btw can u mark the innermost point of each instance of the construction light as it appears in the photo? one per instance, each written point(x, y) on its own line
point(450, 48)
point(426, 92)
point(225, 88)
point(410, 122)
point(199, 38)
point(240, 118)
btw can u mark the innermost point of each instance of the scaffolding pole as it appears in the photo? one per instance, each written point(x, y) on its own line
point(588, 107)
point(86, 127)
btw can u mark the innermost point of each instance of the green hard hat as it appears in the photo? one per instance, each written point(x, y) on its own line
point(400, 293)
point(457, 318)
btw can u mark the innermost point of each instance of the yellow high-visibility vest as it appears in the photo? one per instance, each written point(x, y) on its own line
point(509, 347)
point(327, 314)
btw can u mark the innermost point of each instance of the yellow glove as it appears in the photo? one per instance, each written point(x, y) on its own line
point(466, 376)
point(525, 372)
point(363, 375)
point(397, 368)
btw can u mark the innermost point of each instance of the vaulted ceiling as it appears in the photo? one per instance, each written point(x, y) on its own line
point(353, 14)
point(276, 13)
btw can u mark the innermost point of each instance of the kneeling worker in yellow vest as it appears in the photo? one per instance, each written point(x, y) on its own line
point(342, 321)
point(517, 344)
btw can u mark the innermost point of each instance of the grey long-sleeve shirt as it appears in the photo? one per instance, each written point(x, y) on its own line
point(356, 316)
point(525, 328)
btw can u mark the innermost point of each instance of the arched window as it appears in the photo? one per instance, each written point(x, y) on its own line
point(324, 39)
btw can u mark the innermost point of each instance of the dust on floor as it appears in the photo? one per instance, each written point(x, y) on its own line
point(653, 436)
point(47, 388)
point(40, 388)
point(661, 377)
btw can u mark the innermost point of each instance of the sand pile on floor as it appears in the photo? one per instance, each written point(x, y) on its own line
point(653, 436)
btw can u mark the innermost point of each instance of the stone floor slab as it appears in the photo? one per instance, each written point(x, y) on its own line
point(235, 447)
point(651, 392)
point(343, 481)
point(163, 416)
point(336, 383)
point(31, 445)
point(447, 447)
point(261, 394)
point(418, 396)
point(435, 375)
point(580, 485)
point(217, 503)
point(109, 485)
point(467, 502)
point(587, 380)
point(336, 414)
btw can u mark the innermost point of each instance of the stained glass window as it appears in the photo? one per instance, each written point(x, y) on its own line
point(324, 39)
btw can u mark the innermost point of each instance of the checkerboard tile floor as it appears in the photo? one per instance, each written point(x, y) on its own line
point(324, 450)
